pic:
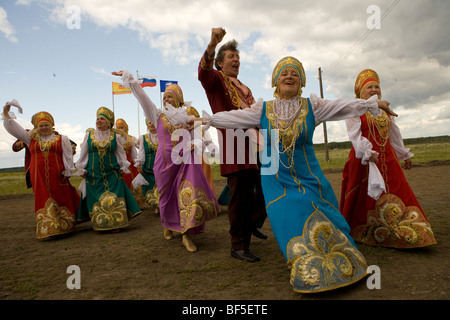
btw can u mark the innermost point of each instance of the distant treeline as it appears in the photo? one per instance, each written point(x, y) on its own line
point(348, 144)
point(319, 147)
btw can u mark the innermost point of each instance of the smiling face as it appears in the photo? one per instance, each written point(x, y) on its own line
point(45, 129)
point(370, 90)
point(288, 83)
point(230, 63)
point(102, 123)
point(170, 99)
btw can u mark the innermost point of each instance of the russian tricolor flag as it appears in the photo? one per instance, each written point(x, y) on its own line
point(147, 82)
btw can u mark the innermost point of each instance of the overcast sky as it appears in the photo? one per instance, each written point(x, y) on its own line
point(57, 55)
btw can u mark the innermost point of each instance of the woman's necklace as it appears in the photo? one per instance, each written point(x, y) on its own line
point(286, 112)
point(380, 124)
point(45, 142)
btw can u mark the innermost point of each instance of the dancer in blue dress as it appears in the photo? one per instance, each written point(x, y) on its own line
point(301, 205)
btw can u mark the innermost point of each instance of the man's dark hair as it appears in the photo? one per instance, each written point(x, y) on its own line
point(230, 45)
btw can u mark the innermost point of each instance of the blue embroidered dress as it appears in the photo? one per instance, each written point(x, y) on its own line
point(301, 205)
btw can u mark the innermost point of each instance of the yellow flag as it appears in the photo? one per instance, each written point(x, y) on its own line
point(118, 88)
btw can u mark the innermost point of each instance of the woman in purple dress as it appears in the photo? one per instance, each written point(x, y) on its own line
point(186, 199)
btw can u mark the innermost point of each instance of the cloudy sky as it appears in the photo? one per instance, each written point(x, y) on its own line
point(57, 55)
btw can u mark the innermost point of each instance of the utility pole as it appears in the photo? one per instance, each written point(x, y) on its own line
point(327, 157)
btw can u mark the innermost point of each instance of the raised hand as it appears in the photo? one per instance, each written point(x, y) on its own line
point(117, 73)
point(217, 35)
point(384, 105)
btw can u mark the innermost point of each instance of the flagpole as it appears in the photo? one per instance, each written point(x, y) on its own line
point(139, 124)
point(113, 99)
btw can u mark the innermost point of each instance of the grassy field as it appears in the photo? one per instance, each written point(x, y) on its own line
point(426, 151)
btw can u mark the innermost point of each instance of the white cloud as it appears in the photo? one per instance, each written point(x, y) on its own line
point(318, 33)
point(101, 71)
point(6, 27)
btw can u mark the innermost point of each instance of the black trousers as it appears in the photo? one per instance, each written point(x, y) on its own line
point(246, 208)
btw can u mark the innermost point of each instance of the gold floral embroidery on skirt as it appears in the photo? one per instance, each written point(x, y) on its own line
point(53, 220)
point(109, 212)
point(392, 224)
point(323, 258)
point(195, 206)
point(152, 197)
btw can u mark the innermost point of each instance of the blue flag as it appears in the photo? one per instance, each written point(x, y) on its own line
point(165, 83)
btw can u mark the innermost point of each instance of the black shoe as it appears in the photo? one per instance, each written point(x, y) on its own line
point(244, 255)
point(259, 234)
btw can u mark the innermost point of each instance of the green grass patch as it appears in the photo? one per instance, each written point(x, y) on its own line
point(424, 149)
point(423, 153)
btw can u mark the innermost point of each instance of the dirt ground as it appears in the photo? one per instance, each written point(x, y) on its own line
point(138, 263)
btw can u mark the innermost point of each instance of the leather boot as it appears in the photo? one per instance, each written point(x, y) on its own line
point(187, 242)
point(168, 234)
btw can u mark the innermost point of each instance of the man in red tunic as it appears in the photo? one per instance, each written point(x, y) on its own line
point(246, 208)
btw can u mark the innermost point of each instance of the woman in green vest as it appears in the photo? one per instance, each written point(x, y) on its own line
point(106, 200)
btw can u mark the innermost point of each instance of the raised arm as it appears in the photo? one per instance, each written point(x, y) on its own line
point(341, 109)
point(236, 119)
point(13, 128)
point(149, 108)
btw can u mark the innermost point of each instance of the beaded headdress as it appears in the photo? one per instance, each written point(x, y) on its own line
point(42, 116)
point(288, 62)
point(106, 113)
point(365, 78)
point(175, 91)
point(123, 123)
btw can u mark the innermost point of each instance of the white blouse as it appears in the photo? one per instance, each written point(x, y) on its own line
point(102, 136)
point(140, 160)
point(23, 135)
point(324, 110)
point(363, 147)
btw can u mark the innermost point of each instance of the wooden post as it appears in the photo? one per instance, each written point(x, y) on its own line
point(327, 157)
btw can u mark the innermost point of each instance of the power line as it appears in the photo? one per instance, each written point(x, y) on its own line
point(364, 36)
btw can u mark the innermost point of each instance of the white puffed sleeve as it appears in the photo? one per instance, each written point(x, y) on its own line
point(363, 147)
point(81, 164)
point(140, 159)
point(133, 153)
point(121, 155)
point(363, 150)
point(397, 142)
point(237, 119)
point(67, 156)
point(341, 109)
point(17, 131)
point(149, 108)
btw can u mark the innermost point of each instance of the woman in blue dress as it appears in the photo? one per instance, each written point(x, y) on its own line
point(301, 205)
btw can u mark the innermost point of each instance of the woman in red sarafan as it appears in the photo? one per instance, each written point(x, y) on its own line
point(56, 200)
point(376, 199)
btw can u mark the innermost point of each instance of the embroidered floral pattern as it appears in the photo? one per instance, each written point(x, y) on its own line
point(109, 212)
point(195, 206)
point(152, 197)
point(323, 258)
point(53, 220)
point(102, 146)
point(392, 224)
